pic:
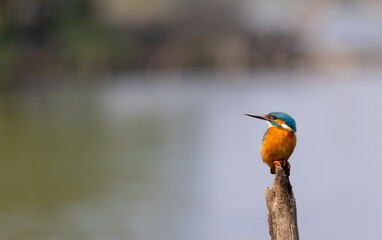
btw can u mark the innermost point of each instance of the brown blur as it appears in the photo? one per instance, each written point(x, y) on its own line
point(81, 40)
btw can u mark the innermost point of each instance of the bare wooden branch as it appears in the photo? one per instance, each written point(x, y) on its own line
point(281, 204)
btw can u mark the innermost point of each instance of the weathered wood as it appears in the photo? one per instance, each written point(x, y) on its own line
point(281, 204)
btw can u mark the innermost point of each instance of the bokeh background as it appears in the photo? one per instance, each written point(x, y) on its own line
point(124, 119)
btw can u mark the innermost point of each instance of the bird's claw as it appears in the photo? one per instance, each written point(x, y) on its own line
point(277, 163)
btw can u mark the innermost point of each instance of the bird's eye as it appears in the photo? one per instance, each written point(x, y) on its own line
point(274, 118)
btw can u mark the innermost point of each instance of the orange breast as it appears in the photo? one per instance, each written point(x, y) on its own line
point(278, 144)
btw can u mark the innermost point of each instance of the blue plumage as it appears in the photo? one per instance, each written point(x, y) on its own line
point(265, 134)
point(284, 117)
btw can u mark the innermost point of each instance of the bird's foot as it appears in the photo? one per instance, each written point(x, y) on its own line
point(281, 163)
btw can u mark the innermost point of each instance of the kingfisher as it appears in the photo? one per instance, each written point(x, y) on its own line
point(279, 140)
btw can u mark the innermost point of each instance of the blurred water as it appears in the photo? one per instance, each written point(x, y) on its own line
point(159, 157)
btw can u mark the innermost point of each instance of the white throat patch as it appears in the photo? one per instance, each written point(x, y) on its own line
point(286, 127)
point(282, 125)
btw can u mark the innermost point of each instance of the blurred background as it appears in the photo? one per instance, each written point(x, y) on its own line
point(124, 119)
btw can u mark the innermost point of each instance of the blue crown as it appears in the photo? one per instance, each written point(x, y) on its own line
point(289, 121)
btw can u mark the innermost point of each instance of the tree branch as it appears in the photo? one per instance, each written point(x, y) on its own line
point(281, 204)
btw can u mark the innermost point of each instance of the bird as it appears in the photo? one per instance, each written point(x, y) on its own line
point(279, 140)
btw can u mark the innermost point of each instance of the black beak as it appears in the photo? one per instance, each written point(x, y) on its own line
point(263, 117)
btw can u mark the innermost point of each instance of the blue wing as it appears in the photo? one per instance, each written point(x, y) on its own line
point(265, 134)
